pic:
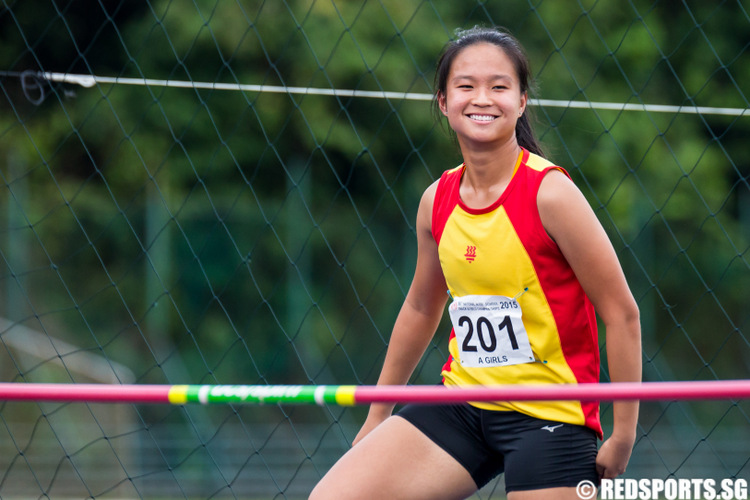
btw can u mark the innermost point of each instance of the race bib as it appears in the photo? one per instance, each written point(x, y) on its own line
point(489, 331)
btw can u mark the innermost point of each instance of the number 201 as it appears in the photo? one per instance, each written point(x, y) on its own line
point(486, 333)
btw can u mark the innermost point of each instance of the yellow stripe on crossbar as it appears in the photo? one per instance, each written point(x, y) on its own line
point(178, 394)
point(345, 395)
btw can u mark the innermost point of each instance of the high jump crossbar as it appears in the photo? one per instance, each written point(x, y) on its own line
point(349, 395)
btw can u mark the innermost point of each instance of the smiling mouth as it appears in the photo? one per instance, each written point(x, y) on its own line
point(482, 118)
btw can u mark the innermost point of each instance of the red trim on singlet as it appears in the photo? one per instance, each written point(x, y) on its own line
point(447, 197)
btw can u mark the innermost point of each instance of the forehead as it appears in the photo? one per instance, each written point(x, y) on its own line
point(482, 58)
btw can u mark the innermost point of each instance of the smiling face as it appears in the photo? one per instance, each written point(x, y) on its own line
point(483, 97)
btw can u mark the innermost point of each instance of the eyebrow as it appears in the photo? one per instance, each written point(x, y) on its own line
point(491, 78)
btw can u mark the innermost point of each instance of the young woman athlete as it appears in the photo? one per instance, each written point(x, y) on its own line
point(525, 263)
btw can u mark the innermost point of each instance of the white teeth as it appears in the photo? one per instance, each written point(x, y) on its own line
point(482, 118)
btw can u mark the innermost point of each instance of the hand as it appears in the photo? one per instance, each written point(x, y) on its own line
point(613, 457)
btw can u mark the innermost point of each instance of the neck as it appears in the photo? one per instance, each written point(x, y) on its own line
point(487, 174)
point(485, 167)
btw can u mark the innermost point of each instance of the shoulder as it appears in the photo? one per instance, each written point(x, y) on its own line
point(557, 187)
point(564, 210)
point(438, 201)
point(426, 204)
point(442, 190)
point(428, 196)
point(546, 177)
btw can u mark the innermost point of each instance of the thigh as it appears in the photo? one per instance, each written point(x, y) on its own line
point(395, 461)
point(458, 430)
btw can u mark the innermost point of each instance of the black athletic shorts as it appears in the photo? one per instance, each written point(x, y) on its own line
point(533, 453)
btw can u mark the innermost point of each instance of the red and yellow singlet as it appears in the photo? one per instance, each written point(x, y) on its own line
point(519, 313)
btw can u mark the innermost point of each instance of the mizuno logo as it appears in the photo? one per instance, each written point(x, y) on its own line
point(471, 253)
point(551, 428)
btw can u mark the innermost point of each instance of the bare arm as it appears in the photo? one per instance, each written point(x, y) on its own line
point(571, 222)
point(419, 316)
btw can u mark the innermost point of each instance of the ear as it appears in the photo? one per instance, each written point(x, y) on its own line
point(442, 104)
point(524, 103)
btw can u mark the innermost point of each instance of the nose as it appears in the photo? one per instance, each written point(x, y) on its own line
point(481, 97)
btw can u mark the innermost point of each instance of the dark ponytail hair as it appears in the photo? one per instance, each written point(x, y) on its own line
point(513, 49)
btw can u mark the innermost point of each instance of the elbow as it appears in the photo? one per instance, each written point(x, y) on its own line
point(626, 319)
point(631, 316)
